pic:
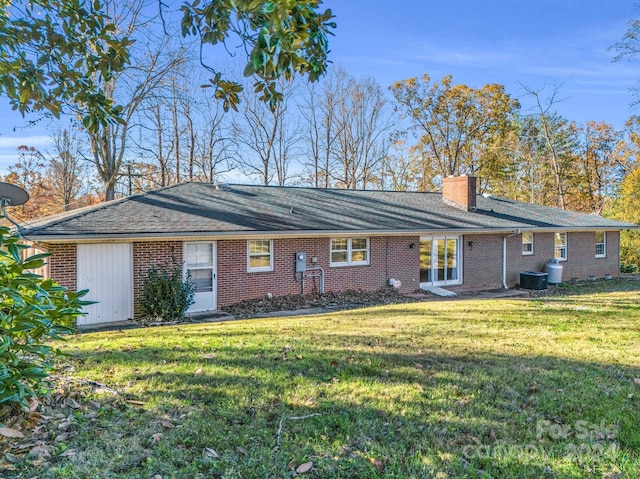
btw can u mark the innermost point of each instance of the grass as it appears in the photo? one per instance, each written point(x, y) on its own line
point(465, 389)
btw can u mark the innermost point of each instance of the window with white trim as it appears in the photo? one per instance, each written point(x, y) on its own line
point(349, 251)
point(601, 244)
point(259, 255)
point(527, 243)
point(560, 246)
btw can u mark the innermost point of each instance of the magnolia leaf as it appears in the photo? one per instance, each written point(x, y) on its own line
point(156, 437)
point(8, 432)
point(306, 467)
point(241, 450)
point(208, 452)
point(167, 424)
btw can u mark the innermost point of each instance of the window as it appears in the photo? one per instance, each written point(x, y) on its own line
point(199, 263)
point(601, 244)
point(259, 255)
point(349, 251)
point(560, 246)
point(527, 243)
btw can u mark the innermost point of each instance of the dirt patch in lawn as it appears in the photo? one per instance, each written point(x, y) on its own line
point(327, 301)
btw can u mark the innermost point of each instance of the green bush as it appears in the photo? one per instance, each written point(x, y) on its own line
point(33, 310)
point(166, 294)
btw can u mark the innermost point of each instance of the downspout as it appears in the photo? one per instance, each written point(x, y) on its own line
point(504, 258)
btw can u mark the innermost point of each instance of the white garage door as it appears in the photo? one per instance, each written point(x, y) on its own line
point(106, 270)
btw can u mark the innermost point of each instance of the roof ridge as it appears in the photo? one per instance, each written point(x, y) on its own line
point(298, 187)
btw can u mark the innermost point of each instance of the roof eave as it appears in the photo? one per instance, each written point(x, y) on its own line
point(229, 235)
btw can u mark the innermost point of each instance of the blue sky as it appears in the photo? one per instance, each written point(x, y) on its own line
point(510, 42)
point(495, 41)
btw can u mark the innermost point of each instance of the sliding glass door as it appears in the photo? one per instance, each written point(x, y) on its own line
point(439, 260)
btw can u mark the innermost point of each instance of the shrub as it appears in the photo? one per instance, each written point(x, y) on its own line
point(166, 294)
point(33, 310)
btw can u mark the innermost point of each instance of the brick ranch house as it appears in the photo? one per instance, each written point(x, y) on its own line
point(241, 242)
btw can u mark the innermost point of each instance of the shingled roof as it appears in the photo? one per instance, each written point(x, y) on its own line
point(202, 209)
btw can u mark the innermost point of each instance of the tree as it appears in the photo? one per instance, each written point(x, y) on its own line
point(363, 127)
point(626, 207)
point(29, 173)
point(280, 38)
point(32, 312)
point(267, 136)
point(602, 163)
point(454, 124)
point(66, 170)
point(629, 47)
point(152, 60)
point(58, 52)
point(347, 129)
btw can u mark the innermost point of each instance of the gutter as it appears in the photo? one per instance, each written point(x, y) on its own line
point(251, 234)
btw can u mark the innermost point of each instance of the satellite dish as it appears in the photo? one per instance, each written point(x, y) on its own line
point(12, 195)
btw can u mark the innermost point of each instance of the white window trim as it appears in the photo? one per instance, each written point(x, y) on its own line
point(604, 244)
point(261, 269)
point(528, 253)
point(349, 262)
point(566, 246)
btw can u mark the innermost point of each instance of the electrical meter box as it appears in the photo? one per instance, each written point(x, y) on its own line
point(301, 262)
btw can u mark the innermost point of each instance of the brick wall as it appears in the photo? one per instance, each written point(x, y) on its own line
point(482, 259)
point(63, 264)
point(460, 191)
point(581, 261)
point(390, 257)
point(159, 254)
point(517, 262)
point(482, 262)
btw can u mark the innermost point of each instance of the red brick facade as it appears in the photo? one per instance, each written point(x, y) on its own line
point(63, 264)
point(395, 257)
point(460, 191)
point(390, 257)
point(159, 254)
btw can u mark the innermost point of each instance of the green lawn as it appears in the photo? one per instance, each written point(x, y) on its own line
point(500, 388)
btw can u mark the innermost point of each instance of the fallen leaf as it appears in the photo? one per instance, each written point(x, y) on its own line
point(209, 356)
point(637, 381)
point(156, 437)
point(44, 451)
point(71, 403)
point(211, 453)
point(137, 403)
point(291, 465)
point(167, 424)
point(377, 463)
point(306, 467)
point(241, 450)
point(13, 458)
point(198, 372)
point(8, 432)
point(68, 453)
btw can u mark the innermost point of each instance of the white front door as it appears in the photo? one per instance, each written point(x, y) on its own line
point(106, 270)
point(439, 261)
point(200, 264)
